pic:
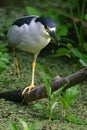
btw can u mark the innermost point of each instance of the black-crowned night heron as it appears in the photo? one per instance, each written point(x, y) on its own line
point(31, 34)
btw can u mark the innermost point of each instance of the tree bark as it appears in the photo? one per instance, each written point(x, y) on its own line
point(40, 91)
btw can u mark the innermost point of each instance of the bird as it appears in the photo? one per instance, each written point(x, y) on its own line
point(31, 34)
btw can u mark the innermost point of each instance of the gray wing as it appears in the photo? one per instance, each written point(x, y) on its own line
point(14, 35)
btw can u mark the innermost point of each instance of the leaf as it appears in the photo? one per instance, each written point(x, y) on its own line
point(64, 103)
point(54, 104)
point(84, 59)
point(61, 52)
point(54, 116)
point(24, 124)
point(2, 65)
point(69, 96)
point(85, 16)
point(54, 96)
point(80, 55)
point(50, 13)
point(85, 46)
point(75, 120)
point(1, 34)
point(39, 106)
point(83, 63)
point(5, 60)
point(57, 92)
point(32, 11)
point(76, 52)
point(13, 126)
point(32, 126)
point(62, 31)
point(48, 88)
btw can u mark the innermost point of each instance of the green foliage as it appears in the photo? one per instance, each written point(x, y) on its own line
point(85, 17)
point(32, 11)
point(52, 97)
point(77, 14)
point(1, 34)
point(61, 52)
point(45, 110)
point(25, 126)
point(74, 119)
point(68, 98)
point(82, 57)
point(78, 44)
point(71, 51)
point(62, 29)
point(4, 57)
point(51, 102)
point(13, 126)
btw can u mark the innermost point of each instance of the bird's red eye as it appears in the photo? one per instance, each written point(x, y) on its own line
point(45, 27)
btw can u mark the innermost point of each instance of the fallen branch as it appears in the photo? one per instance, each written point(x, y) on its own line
point(40, 92)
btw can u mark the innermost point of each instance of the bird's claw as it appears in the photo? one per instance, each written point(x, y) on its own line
point(28, 88)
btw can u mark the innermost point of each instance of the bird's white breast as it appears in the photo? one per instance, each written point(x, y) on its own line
point(31, 38)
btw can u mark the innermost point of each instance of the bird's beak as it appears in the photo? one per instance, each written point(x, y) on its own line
point(53, 35)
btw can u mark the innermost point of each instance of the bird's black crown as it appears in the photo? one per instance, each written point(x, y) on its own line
point(46, 22)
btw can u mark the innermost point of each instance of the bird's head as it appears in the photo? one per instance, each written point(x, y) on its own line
point(49, 27)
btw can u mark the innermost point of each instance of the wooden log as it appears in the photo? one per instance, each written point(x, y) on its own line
point(40, 91)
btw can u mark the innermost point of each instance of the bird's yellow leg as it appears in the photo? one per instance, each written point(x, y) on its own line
point(32, 82)
point(16, 66)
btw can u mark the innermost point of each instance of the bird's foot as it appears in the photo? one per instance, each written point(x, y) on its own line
point(28, 89)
